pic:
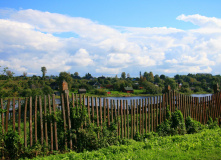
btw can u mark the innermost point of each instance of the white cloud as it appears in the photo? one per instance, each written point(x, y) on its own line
point(108, 70)
point(29, 40)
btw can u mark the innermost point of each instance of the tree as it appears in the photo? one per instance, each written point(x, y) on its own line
point(24, 74)
point(67, 77)
point(123, 75)
point(162, 76)
point(128, 75)
point(9, 73)
point(76, 74)
point(88, 76)
point(44, 71)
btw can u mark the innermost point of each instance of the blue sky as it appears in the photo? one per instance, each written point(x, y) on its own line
point(109, 37)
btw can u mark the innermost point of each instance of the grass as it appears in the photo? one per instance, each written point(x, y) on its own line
point(204, 145)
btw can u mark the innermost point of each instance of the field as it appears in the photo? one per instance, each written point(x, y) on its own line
point(204, 145)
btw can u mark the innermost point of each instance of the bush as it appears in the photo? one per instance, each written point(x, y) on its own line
point(178, 122)
point(172, 126)
point(12, 145)
point(192, 126)
point(212, 124)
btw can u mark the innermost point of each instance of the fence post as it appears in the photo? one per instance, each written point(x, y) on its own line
point(36, 137)
point(132, 122)
point(30, 121)
point(51, 124)
point(55, 122)
point(2, 107)
point(64, 117)
point(45, 119)
point(41, 121)
point(69, 119)
point(19, 116)
point(25, 116)
point(13, 117)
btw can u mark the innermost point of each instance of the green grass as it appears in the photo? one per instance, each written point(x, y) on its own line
point(204, 145)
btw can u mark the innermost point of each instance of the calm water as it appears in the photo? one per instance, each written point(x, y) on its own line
point(128, 99)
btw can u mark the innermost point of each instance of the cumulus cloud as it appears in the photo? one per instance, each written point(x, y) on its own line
point(29, 39)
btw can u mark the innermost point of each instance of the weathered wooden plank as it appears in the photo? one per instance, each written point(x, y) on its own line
point(152, 118)
point(69, 119)
point(128, 131)
point(149, 110)
point(25, 116)
point(134, 107)
point(132, 119)
point(118, 118)
point(143, 107)
point(73, 100)
point(145, 115)
point(19, 117)
point(30, 122)
point(92, 107)
point(13, 110)
point(80, 100)
point(2, 114)
point(45, 120)
point(104, 105)
point(76, 97)
point(154, 113)
point(108, 112)
point(97, 111)
point(55, 122)
point(36, 118)
point(122, 121)
point(51, 124)
point(88, 109)
point(7, 116)
point(157, 106)
point(41, 120)
point(140, 116)
point(64, 117)
point(160, 109)
point(112, 111)
point(125, 123)
point(137, 115)
point(85, 123)
point(101, 112)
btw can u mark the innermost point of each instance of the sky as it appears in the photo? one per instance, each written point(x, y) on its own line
point(110, 37)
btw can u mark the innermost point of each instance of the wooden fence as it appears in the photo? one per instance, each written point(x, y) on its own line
point(141, 115)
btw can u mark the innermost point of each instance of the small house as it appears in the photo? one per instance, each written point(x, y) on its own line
point(128, 89)
point(82, 91)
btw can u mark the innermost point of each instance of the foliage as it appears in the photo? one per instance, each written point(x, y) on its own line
point(212, 124)
point(44, 71)
point(172, 125)
point(204, 145)
point(192, 126)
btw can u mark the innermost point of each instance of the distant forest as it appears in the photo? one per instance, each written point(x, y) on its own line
point(146, 83)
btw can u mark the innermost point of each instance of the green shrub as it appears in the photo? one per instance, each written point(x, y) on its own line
point(177, 122)
point(12, 145)
point(192, 126)
point(173, 125)
point(212, 124)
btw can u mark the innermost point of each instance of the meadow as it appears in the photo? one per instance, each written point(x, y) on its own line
point(203, 145)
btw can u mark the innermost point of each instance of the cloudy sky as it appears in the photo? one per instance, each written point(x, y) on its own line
point(110, 37)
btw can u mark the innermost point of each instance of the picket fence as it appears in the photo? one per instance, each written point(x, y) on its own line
point(143, 115)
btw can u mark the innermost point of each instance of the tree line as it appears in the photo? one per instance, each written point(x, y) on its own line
point(24, 86)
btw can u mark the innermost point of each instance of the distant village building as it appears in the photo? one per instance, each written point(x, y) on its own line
point(128, 89)
point(82, 91)
point(168, 88)
point(65, 87)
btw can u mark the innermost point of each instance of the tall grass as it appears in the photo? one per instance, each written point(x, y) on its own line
point(204, 145)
